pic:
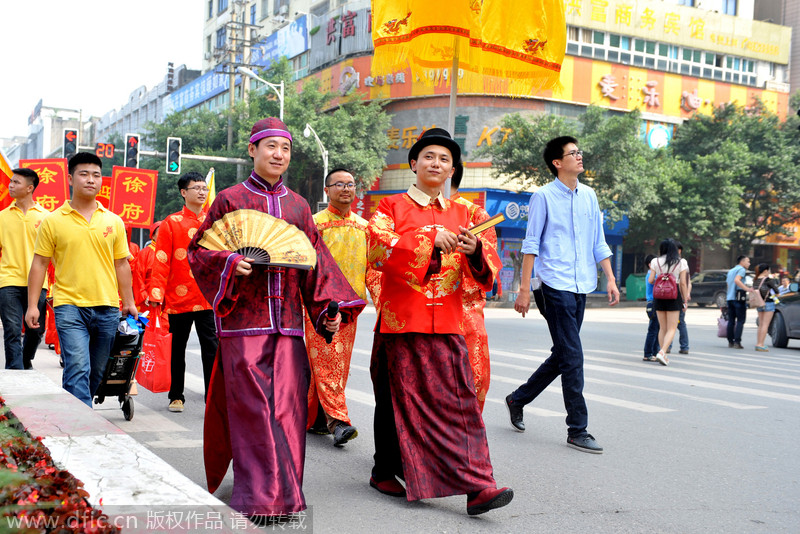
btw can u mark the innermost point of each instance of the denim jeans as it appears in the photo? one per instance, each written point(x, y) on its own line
point(13, 305)
point(564, 315)
point(737, 313)
point(651, 341)
point(86, 336)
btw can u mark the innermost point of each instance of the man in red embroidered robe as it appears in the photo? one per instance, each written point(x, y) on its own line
point(420, 243)
point(257, 402)
point(475, 297)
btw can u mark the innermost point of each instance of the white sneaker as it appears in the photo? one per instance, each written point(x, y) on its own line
point(662, 358)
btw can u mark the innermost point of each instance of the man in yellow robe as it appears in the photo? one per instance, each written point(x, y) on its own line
point(344, 233)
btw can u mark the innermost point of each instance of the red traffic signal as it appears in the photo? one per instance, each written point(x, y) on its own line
point(132, 151)
point(70, 147)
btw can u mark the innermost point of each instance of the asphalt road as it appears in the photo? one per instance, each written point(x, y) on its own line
point(704, 445)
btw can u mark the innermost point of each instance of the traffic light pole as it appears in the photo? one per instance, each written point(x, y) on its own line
point(215, 159)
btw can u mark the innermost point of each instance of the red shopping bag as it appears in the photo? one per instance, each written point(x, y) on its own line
point(153, 372)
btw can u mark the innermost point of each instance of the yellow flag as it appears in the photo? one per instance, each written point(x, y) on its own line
point(503, 46)
point(5, 178)
point(212, 190)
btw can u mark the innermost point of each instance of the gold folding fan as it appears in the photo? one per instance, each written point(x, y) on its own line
point(262, 237)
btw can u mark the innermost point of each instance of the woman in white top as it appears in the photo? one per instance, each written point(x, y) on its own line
point(669, 310)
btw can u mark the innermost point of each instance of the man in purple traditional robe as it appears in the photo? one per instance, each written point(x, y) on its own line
point(257, 401)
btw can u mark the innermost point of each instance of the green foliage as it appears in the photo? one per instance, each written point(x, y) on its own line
point(353, 133)
point(727, 179)
point(749, 161)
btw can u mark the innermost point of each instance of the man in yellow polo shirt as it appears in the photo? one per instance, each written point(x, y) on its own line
point(89, 247)
point(18, 225)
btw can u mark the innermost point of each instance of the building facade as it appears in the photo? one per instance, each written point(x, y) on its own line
point(668, 59)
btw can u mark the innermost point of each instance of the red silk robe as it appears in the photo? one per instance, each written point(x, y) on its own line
point(474, 303)
point(256, 408)
point(419, 358)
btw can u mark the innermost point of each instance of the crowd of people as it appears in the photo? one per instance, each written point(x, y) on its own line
point(271, 373)
point(668, 315)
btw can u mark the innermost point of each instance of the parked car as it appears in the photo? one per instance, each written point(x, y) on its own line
point(786, 321)
point(710, 287)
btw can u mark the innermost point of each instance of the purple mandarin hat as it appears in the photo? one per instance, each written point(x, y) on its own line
point(269, 127)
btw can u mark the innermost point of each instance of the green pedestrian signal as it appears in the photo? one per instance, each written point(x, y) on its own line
point(174, 155)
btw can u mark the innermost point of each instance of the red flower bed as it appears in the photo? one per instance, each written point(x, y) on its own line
point(37, 496)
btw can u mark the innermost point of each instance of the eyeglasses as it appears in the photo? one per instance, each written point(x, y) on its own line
point(343, 185)
point(574, 153)
point(198, 188)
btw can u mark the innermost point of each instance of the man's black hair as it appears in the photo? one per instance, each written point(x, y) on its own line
point(334, 171)
point(28, 174)
point(740, 258)
point(555, 150)
point(191, 176)
point(81, 158)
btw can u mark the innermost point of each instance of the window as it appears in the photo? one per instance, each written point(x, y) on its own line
point(223, 5)
point(729, 7)
point(222, 38)
point(572, 33)
point(663, 50)
point(689, 3)
point(650, 47)
point(264, 9)
point(276, 7)
point(613, 40)
point(586, 36)
point(253, 14)
point(210, 8)
point(710, 58)
point(599, 38)
point(208, 44)
point(638, 45)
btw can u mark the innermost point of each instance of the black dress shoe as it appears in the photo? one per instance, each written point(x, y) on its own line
point(515, 413)
point(343, 433)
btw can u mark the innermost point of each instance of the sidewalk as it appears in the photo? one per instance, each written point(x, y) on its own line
point(139, 491)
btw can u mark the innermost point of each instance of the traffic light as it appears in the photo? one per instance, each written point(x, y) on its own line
point(132, 151)
point(174, 155)
point(70, 143)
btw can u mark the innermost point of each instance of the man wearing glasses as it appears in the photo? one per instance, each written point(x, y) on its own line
point(345, 235)
point(564, 242)
point(173, 286)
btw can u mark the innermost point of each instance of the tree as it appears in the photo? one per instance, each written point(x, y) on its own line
point(353, 132)
point(629, 178)
point(748, 158)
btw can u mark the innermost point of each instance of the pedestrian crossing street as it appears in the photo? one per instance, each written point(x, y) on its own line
point(712, 377)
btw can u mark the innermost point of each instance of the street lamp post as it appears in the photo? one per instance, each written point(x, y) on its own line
point(277, 88)
point(307, 133)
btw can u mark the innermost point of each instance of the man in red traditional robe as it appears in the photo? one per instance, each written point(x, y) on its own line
point(420, 243)
point(257, 401)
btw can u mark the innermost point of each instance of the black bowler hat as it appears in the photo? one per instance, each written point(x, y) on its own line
point(435, 136)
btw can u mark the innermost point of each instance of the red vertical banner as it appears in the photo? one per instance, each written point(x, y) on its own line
point(53, 188)
point(104, 196)
point(133, 195)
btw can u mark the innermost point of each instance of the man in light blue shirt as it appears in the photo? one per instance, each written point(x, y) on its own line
point(565, 242)
point(737, 309)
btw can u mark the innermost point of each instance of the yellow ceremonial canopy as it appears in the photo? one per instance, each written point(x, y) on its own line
point(503, 46)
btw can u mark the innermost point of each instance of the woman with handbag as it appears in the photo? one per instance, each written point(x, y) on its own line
point(763, 298)
point(669, 274)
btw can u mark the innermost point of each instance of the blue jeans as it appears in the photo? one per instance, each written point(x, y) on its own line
point(651, 341)
point(737, 313)
point(564, 315)
point(13, 305)
point(86, 336)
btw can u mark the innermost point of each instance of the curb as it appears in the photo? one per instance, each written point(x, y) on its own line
point(138, 491)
